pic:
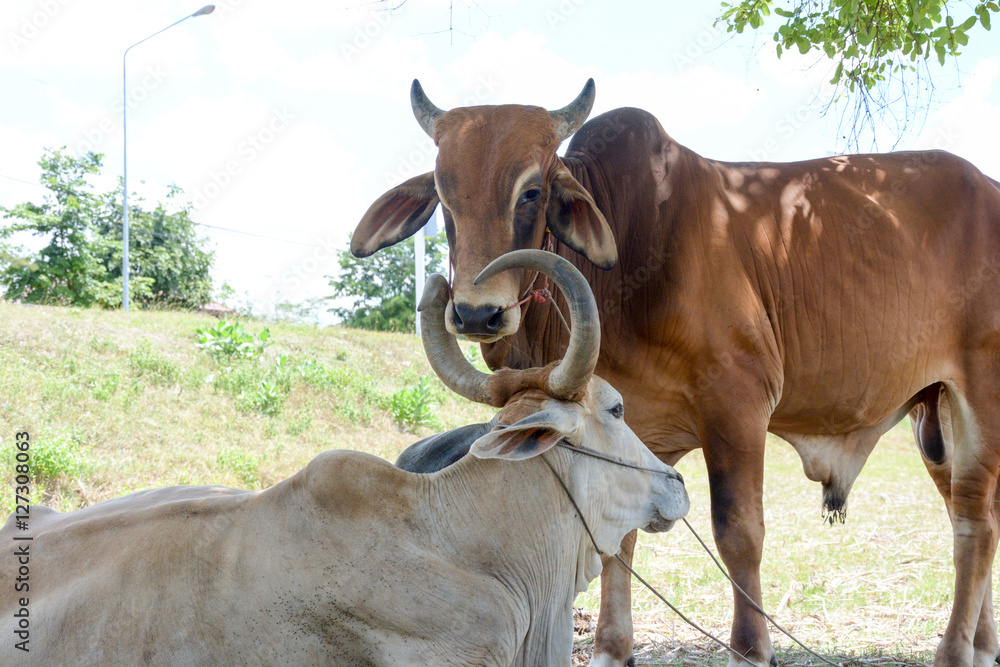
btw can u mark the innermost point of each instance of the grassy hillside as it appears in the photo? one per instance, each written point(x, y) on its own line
point(118, 402)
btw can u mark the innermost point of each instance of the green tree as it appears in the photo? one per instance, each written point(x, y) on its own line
point(874, 43)
point(81, 265)
point(63, 271)
point(165, 252)
point(383, 287)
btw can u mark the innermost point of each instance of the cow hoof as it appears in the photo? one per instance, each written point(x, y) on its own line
point(607, 661)
point(736, 662)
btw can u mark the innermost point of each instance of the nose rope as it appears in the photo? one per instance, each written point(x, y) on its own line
point(542, 294)
point(609, 459)
point(537, 295)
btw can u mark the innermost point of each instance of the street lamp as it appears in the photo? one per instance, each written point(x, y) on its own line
point(207, 9)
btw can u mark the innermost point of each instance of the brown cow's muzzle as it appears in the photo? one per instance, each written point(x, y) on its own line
point(482, 324)
point(482, 309)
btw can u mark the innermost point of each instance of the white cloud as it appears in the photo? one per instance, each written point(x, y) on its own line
point(695, 97)
point(87, 37)
point(19, 169)
point(373, 70)
point(250, 52)
point(812, 70)
point(967, 125)
point(343, 72)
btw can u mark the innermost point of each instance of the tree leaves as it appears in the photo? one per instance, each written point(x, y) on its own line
point(81, 265)
point(382, 287)
point(867, 38)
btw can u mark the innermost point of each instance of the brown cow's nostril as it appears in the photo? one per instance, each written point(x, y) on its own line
point(494, 322)
point(478, 320)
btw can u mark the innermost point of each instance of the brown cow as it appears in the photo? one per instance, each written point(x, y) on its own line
point(821, 301)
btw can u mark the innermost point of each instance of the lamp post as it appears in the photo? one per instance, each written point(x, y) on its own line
point(207, 9)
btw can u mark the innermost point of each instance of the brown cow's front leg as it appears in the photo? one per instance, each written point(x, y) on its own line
point(736, 479)
point(613, 639)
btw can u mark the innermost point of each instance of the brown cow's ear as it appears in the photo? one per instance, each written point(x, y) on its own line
point(529, 437)
point(396, 215)
point(575, 220)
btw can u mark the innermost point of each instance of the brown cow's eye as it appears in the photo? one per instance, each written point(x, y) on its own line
point(530, 196)
point(618, 411)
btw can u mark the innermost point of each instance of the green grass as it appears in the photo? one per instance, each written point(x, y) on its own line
point(148, 408)
point(118, 402)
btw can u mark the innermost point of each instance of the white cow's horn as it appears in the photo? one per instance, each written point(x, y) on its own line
point(567, 380)
point(424, 110)
point(442, 349)
point(570, 377)
point(572, 116)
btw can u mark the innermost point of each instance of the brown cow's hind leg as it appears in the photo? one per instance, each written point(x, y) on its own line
point(985, 640)
point(969, 640)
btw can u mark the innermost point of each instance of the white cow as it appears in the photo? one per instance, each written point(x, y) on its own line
point(352, 561)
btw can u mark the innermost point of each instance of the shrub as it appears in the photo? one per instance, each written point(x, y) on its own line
point(355, 392)
point(256, 388)
point(232, 340)
point(265, 397)
point(413, 407)
point(105, 386)
point(243, 464)
point(52, 457)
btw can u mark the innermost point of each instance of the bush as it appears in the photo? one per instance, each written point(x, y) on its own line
point(265, 397)
point(356, 393)
point(232, 341)
point(52, 457)
point(256, 389)
point(105, 386)
point(245, 465)
point(413, 407)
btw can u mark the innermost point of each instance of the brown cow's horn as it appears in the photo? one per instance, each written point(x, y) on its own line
point(571, 117)
point(425, 111)
point(570, 377)
point(442, 349)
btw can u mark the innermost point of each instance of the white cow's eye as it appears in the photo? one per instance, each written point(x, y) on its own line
point(618, 411)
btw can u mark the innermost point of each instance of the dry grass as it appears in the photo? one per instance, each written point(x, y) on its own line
point(875, 591)
point(67, 372)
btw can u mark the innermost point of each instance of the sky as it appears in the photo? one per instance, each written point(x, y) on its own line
point(283, 121)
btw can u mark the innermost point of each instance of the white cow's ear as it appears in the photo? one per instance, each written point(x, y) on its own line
point(396, 215)
point(529, 437)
